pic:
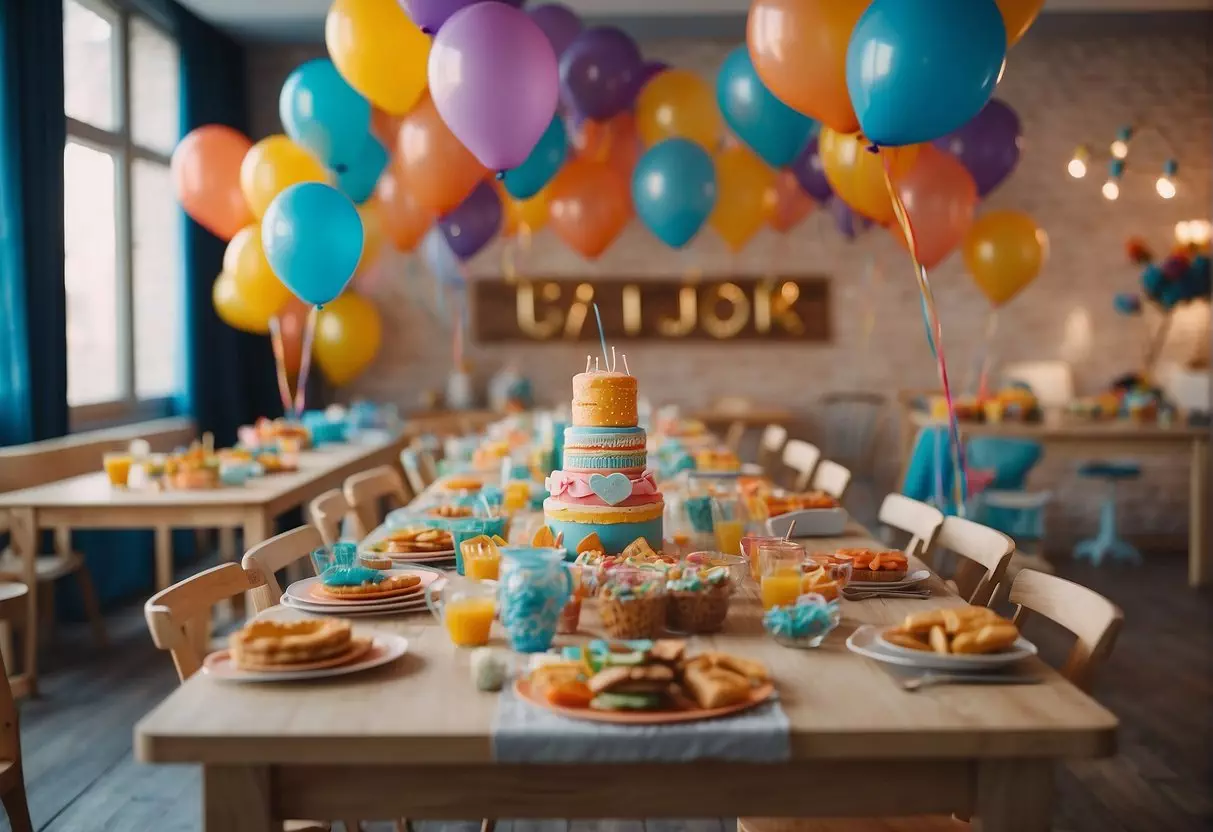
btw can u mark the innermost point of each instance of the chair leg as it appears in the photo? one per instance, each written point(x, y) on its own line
point(488, 825)
point(352, 826)
point(92, 607)
point(16, 806)
point(404, 825)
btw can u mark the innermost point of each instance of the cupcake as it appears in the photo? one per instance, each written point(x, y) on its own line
point(698, 600)
point(632, 604)
point(876, 565)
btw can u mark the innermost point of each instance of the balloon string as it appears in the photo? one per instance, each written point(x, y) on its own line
point(934, 334)
point(284, 384)
point(509, 269)
point(305, 360)
point(987, 354)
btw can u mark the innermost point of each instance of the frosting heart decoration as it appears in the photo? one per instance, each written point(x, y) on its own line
point(613, 489)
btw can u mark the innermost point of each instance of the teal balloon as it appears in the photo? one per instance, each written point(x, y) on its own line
point(324, 114)
point(312, 236)
point(528, 179)
point(919, 69)
point(674, 190)
point(358, 179)
point(770, 128)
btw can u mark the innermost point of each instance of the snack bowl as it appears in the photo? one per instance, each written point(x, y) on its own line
point(737, 566)
point(803, 625)
point(632, 603)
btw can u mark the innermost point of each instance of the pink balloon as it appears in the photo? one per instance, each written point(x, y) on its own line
point(494, 81)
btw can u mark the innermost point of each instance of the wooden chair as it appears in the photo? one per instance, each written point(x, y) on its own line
point(279, 552)
point(365, 492)
point(770, 447)
point(915, 518)
point(853, 423)
point(12, 779)
point(327, 512)
point(831, 478)
point(984, 554)
point(410, 461)
point(802, 458)
point(734, 435)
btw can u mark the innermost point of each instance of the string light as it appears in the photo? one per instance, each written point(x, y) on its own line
point(1078, 162)
point(1111, 188)
point(1166, 183)
point(1120, 147)
point(1196, 233)
point(1118, 153)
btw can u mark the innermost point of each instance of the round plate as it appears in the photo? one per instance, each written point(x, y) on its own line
point(867, 641)
point(418, 557)
point(304, 591)
point(909, 580)
point(385, 647)
point(383, 608)
point(758, 695)
point(318, 593)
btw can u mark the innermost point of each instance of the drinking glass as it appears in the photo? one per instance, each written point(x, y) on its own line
point(466, 607)
point(728, 523)
point(749, 547)
point(780, 563)
point(117, 467)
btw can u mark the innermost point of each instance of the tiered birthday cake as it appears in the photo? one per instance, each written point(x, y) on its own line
point(604, 487)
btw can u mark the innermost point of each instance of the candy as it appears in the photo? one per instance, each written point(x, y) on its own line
point(812, 617)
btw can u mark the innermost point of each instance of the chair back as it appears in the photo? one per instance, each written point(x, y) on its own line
point(734, 435)
point(410, 461)
point(770, 446)
point(1094, 620)
point(853, 423)
point(984, 554)
point(366, 492)
point(12, 609)
point(831, 478)
point(802, 458)
point(918, 520)
point(268, 557)
point(327, 512)
point(174, 614)
point(1051, 381)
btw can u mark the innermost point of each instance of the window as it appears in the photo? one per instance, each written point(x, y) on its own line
point(123, 275)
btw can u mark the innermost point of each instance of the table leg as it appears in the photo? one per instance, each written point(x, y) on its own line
point(24, 534)
point(1014, 796)
point(164, 557)
point(1199, 566)
point(258, 527)
point(227, 544)
point(236, 799)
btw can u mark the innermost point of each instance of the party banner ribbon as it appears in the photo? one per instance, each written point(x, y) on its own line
point(293, 407)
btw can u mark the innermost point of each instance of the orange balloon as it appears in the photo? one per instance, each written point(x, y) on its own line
point(206, 175)
point(678, 103)
point(292, 320)
point(799, 49)
point(940, 196)
point(1004, 252)
point(744, 196)
point(372, 234)
point(1018, 15)
point(439, 169)
point(858, 175)
point(614, 141)
point(790, 203)
point(588, 206)
point(529, 215)
point(405, 221)
point(385, 127)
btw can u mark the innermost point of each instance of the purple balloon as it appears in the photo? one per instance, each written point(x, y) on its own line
point(598, 70)
point(560, 23)
point(494, 81)
point(848, 222)
point(429, 15)
point(647, 71)
point(810, 173)
point(988, 146)
point(474, 221)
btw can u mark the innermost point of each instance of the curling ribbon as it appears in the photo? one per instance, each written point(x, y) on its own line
point(987, 354)
point(293, 408)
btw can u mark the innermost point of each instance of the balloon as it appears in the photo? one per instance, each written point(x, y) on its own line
point(292, 321)
point(271, 166)
point(347, 337)
point(260, 292)
point(799, 49)
point(745, 196)
point(404, 220)
point(597, 70)
point(432, 15)
point(206, 176)
point(674, 190)
point(848, 223)
point(791, 204)
point(588, 206)
point(313, 240)
point(811, 173)
point(357, 180)
point(439, 169)
point(648, 71)
point(472, 225)
point(614, 142)
point(379, 51)
point(528, 178)
point(772, 129)
point(372, 235)
point(523, 215)
point(940, 198)
point(917, 71)
point(1004, 251)
point(232, 310)
point(988, 145)
point(858, 175)
point(494, 80)
point(1018, 16)
point(323, 114)
point(385, 127)
point(1127, 303)
point(678, 104)
point(559, 24)
point(440, 260)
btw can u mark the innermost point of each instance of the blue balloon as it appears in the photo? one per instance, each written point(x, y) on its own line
point(312, 236)
point(358, 179)
point(674, 190)
point(323, 113)
point(1152, 281)
point(772, 129)
point(528, 179)
point(1199, 280)
point(919, 69)
point(1127, 303)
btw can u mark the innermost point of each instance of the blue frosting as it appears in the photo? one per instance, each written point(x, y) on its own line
point(575, 434)
point(351, 576)
point(614, 536)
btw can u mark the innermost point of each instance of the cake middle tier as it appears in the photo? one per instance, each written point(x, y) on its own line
point(616, 526)
point(604, 449)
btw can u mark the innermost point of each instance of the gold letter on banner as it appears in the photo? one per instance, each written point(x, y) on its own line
point(631, 310)
point(731, 294)
point(762, 307)
point(582, 299)
point(527, 322)
point(687, 312)
point(781, 308)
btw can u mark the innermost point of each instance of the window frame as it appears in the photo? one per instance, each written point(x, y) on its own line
point(120, 142)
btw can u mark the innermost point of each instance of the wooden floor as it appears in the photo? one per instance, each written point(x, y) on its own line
point(81, 777)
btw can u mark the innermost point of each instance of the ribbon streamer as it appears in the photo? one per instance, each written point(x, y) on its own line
point(293, 407)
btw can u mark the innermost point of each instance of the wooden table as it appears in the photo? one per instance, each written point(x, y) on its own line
point(1088, 439)
point(413, 739)
point(90, 502)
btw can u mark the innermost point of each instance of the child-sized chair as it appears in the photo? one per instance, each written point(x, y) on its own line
point(1107, 542)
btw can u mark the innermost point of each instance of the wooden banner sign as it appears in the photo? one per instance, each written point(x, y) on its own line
point(773, 309)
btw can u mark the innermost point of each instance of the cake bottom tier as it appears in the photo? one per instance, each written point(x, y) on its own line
point(616, 527)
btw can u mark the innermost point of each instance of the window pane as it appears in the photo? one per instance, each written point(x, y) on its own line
point(155, 115)
point(93, 371)
point(157, 280)
point(89, 64)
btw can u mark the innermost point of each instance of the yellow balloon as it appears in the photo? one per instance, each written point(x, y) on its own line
point(379, 51)
point(1004, 251)
point(1018, 15)
point(858, 176)
point(372, 233)
point(745, 195)
point(259, 289)
point(678, 104)
point(271, 166)
point(231, 309)
point(348, 332)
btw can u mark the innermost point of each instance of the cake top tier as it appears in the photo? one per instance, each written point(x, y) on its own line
point(604, 399)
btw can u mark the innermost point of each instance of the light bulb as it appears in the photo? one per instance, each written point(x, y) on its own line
point(1077, 168)
point(1165, 187)
point(1120, 149)
point(1183, 233)
point(1111, 190)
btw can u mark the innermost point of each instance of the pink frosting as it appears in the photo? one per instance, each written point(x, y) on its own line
point(576, 485)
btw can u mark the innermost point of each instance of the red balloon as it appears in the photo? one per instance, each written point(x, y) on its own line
point(589, 206)
point(940, 196)
point(791, 203)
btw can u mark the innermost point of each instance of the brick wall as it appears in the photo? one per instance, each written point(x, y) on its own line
point(1069, 86)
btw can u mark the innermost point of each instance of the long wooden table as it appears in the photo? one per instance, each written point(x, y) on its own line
point(90, 502)
point(413, 739)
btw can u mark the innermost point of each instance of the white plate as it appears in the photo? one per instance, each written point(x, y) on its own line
point(428, 557)
point(906, 582)
point(866, 641)
point(810, 522)
point(384, 609)
point(385, 648)
point(302, 591)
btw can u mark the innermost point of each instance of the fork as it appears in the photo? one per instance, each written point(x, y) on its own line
point(863, 596)
point(931, 679)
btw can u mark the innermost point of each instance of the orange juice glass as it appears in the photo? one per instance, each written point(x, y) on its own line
point(728, 523)
point(117, 468)
point(481, 562)
point(780, 563)
point(749, 547)
point(466, 608)
point(516, 496)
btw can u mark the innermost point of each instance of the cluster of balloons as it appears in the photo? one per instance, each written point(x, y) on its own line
point(1182, 277)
